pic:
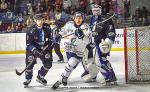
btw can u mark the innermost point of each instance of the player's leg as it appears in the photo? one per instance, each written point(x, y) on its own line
point(47, 64)
point(68, 55)
point(58, 52)
point(30, 58)
point(90, 68)
point(106, 69)
point(70, 66)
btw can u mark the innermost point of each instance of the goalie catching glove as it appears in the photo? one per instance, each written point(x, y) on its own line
point(105, 45)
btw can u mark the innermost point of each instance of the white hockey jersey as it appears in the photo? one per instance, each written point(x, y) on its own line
point(74, 44)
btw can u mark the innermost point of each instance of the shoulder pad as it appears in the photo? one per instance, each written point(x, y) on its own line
point(69, 22)
point(85, 25)
point(31, 29)
point(45, 25)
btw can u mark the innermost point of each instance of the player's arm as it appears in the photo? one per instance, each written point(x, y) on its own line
point(49, 33)
point(106, 43)
point(62, 32)
point(30, 43)
point(110, 30)
point(30, 40)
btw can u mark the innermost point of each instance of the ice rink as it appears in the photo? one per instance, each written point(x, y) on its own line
point(10, 82)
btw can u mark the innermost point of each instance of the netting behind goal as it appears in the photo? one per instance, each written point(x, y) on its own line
point(137, 54)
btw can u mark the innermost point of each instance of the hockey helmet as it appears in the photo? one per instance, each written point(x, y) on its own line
point(96, 9)
point(79, 14)
point(78, 18)
point(38, 16)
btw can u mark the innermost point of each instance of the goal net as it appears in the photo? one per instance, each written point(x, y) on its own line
point(137, 54)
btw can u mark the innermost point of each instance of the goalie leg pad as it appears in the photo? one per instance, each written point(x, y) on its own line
point(107, 71)
point(93, 70)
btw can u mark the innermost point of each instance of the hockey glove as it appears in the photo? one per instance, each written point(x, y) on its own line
point(105, 45)
point(94, 34)
point(37, 53)
point(79, 33)
point(90, 45)
point(58, 38)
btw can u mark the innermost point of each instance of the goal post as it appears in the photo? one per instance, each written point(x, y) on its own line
point(137, 54)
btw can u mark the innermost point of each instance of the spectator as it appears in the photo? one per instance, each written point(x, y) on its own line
point(3, 6)
point(60, 16)
point(51, 3)
point(9, 29)
point(39, 8)
point(31, 1)
point(127, 8)
point(29, 22)
point(46, 17)
point(10, 7)
point(43, 5)
point(1, 26)
point(24, 9)
point(137, 17)
point(145, 13)
point(67, 6)
point(30, 9)
point(9, 15)
point(50, 11)
point(95, 2)
point(83, 6)
point(105, 6)
point(59, 2)
point(18, 28)
point(19, 19)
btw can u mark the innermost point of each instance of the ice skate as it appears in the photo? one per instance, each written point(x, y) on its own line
point(41, 80)
point(56, 85)
point(26, 83)
point(64, 81)
point(109, 82)
point(60, 61)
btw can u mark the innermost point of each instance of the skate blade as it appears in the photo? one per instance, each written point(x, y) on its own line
point(56, 85)
point(109, 83)
point(26, 86)
point(45, 84)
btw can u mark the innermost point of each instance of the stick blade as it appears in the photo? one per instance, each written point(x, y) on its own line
point(18, 73)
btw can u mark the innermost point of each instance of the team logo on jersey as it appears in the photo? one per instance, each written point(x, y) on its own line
point(47, 56)
point(110, 27)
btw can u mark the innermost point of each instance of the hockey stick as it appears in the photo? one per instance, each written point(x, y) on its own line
point(93, 25)
point(20, 73)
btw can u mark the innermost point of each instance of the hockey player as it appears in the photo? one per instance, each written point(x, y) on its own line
point(103, 32)
point(38, 42)
point(56, 46)
point(76, 45)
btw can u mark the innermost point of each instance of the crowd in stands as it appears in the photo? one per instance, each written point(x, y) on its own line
point(140, 17)
point(18, 15)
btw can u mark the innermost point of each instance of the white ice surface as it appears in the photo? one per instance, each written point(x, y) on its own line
point(10, 82)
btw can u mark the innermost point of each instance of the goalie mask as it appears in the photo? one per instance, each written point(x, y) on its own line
point(96, 10)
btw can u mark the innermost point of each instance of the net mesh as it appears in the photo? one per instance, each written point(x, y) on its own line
point(138, 54)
